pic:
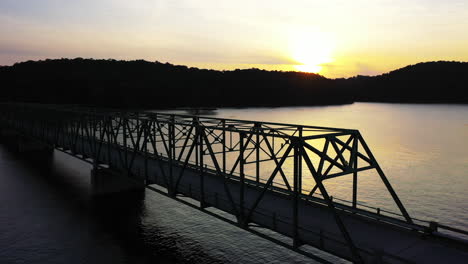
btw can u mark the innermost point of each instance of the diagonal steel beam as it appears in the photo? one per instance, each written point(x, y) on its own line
point(268, 184)
point(219, 172)
point(273, 155)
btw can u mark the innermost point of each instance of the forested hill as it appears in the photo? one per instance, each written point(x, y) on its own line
point(157, 85)
point(145, 84)
point(429, 82)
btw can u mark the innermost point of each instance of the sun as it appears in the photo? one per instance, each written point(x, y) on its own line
point(311, 49)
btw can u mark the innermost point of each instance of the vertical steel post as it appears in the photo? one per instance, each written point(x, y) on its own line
point(124, 123)
point(196, 140)
point(100, 127)
point(223, 143)
point(154, 144)
point(202, 176)
point(170, 130)
point(297, 184)
point(173, 138)
point(257, 152)
point(355, 167)
point(145, 149)
point(93, 135)
point(82, 128)
point(299, 164)
point(153, 124)
point(138, 127)
point(240, 218)
point(109, 138)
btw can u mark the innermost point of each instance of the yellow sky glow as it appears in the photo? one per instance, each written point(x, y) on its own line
point(335, 38)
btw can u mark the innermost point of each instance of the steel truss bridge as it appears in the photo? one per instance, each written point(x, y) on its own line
point(263, 175)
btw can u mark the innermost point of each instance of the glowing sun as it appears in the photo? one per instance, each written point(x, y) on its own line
point(311, 50)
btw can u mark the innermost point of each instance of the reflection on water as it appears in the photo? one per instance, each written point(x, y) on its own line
point(48, 215)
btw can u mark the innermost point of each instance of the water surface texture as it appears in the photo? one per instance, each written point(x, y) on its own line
point(47, 214)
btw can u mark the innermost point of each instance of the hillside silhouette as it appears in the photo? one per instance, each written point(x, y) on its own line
point(143, 84)
point(153, 84)
point(429, 82)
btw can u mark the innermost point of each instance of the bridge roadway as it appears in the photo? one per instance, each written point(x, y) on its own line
point(385, 240)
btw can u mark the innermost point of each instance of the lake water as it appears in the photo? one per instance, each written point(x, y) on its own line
point(47, 213)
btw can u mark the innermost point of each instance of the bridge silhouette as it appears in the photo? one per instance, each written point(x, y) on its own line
point(256, 175)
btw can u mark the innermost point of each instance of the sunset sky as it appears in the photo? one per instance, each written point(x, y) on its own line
point(337, 38)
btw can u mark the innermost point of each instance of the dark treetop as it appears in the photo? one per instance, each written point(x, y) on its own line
point(145, 84)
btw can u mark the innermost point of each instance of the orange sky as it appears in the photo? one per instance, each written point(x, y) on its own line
point(336, 38)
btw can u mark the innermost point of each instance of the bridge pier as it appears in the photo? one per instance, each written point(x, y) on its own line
point(108, 181)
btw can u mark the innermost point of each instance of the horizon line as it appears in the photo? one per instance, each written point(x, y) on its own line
point(227, 70)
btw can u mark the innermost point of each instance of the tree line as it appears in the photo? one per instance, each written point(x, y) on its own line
point(143, 84)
